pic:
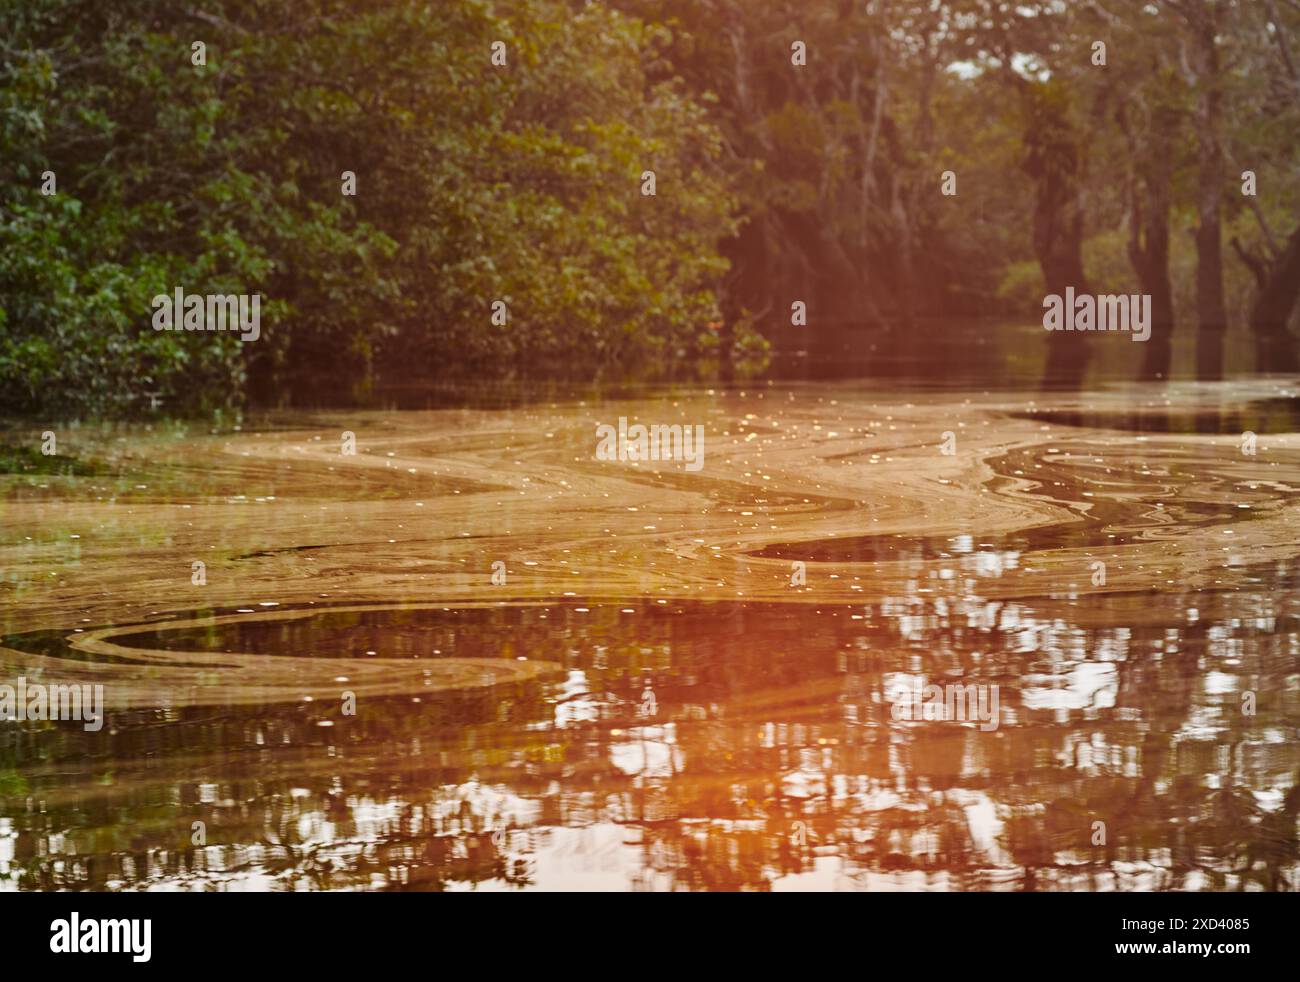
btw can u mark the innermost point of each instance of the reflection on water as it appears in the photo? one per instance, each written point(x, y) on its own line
point(1260, 416)
point(687, 719)
point(709, 745)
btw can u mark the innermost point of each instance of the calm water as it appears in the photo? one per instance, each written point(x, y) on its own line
point(648, 701)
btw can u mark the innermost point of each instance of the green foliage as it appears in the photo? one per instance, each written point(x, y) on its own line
point(521, 183)
point(475, 183)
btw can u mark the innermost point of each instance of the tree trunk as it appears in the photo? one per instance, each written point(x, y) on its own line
point(1148, 247)
point(906, 268)
point(1275, 348)
point(1058, 242)
point(1053, 160)
point(1211, 311)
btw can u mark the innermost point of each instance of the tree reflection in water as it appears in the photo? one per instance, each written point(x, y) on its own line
point(770, 760)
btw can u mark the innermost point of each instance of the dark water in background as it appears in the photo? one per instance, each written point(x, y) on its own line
point(934, 355)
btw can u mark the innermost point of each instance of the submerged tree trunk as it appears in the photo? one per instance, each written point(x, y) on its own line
point(1053, 160)
point(906, 269)
point(1149, 255)
point(1058, 236)
point(1148, 245)
point(1211, 310)
point(1275, 347)
point(1058, 243)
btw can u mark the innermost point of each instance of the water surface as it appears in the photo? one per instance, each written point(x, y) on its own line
point(647, 701)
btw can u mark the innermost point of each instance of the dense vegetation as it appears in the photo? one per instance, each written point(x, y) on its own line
point(522, 182)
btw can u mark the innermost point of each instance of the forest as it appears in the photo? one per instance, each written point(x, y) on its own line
point(634, 189)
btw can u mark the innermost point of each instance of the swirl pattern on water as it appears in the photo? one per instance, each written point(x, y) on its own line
point(682, 716)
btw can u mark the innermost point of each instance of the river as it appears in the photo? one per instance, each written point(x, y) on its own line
point(472, 656)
